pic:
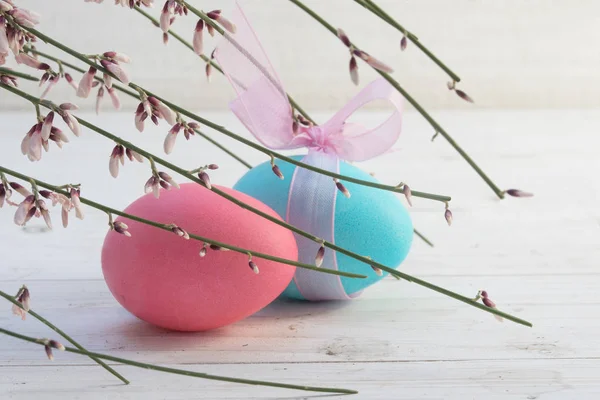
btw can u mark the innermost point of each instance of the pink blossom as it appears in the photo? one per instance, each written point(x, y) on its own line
point(51, 83)
point(26, 59)
point(342, 188)
point(99, 97)
point(119, 57)
point(354, 70)
point(407, 193)
point(448, 216)
point(70, 81)
point(114, 98)
point(4, 48)
point(74, 194)
point(24, 210)
point(85, 85)
point(26, 18)
point(320, 255)
point(166, 113)
point(171, 137)
point(31, 145)
point(167, 179)
point(107, 80)
point(518, 193)
point(47, 125)
point(203, 176)
point(23, 297)
point(71, 122)
point(227, 24)
point(116, 70)
point(165, 16)
point(153, 185)
point(197, 40)
point(121, 227)
point(117, 155)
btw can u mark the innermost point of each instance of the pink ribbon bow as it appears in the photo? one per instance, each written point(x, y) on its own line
point(263, 107)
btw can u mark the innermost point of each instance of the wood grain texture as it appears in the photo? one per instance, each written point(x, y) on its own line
point(537, 257)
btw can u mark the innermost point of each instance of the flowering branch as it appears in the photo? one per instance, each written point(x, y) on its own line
point(365, 259)
point(375, 9)
point(136, 95)
point(47, 343)
point(219, 128)
point(25, 308)
point(206, 59)
point(172, 228)
point(410, 99)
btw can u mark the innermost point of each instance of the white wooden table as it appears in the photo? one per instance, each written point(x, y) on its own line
point(538, 258)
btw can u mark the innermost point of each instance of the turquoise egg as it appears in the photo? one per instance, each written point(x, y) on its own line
point(371, 222)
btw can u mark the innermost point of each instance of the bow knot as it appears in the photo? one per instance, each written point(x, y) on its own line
point(317, 138)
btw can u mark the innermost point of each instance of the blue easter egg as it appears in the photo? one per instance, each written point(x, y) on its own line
point(372, 222)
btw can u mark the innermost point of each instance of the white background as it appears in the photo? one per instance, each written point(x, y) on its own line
point(510, 54)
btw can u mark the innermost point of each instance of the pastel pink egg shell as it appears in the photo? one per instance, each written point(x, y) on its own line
point(160, 278)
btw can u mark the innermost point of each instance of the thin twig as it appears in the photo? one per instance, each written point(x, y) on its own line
point(64, 335)
point(420, 235)
point(17, 74)
point(378, 11)
point(177, 371)
point(414, 103)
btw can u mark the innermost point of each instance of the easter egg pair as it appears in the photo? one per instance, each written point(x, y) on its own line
point(160, 278)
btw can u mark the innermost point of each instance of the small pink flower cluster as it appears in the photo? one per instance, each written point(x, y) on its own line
point(169, 10)
point(41, 133)
point(215, 15)
point(33, 206)
point(154, 109)
point(12, 37)
point(118, 156)
point(363, 55)
point(158, 180)
point(188, 129)
point(110, 61)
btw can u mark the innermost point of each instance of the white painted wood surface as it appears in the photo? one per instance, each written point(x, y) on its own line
point(537, 257)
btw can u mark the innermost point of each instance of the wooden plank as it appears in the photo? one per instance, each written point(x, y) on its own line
point(393, 321)
point(455, 380)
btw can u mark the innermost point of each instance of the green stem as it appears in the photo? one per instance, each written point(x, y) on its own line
point(221, 129)
point(375, 9)
point(275, 220)
point(64, 335)
point(416, 105)
point(177, 371)
point(166, 227)
point(17, 74)
point(420, 235)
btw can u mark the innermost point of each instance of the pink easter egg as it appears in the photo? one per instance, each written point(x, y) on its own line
point(160, 277)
